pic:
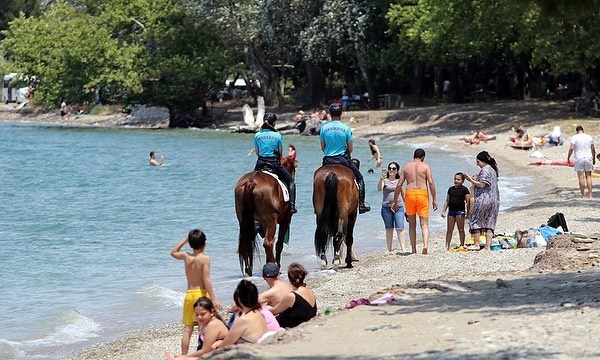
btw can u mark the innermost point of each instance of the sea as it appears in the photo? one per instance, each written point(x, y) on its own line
point(87, 225)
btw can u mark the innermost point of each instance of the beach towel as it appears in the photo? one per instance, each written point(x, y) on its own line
point(548, 232)
point(388, 297)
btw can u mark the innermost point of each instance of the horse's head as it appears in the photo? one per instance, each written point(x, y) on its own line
point(290, 165)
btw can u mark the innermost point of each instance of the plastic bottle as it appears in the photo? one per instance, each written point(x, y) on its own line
point(328, 311)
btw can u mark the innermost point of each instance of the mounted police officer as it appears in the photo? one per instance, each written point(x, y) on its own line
point(336, 143)
point(268, 145)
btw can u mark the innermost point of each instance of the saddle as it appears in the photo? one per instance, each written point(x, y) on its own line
point(269, 170)
point(266, 167)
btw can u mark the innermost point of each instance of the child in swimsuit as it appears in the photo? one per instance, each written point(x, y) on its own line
point(210, 327)
point(458, 196)
point(197, 272)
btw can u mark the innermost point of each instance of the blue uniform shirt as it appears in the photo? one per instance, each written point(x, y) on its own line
point(336, 136)
point(268, 143)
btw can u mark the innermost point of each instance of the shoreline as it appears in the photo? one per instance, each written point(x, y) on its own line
point(551, 188)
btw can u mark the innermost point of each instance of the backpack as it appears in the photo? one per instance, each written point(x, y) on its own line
point(557, 220)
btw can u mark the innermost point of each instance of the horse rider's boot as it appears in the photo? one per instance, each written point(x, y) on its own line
point(363, 207)
point(292, 189)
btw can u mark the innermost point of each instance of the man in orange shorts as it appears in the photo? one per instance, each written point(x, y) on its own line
point(419, 183)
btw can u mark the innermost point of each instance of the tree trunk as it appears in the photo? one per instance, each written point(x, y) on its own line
point(316, 85)
point(457, 85)
point(418, 82)
point(266, 76)
point(368, 79)
point(521, 79)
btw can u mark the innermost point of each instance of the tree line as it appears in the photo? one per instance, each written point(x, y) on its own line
point(173, 52)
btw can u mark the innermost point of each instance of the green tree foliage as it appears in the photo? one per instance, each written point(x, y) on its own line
point(153, 52)
point(569, 43)
point(10, 9)
point(346, 35)
point(475, 39)
point(169, 52)
point(512, 42)
point(313, 35)
point(71, 54)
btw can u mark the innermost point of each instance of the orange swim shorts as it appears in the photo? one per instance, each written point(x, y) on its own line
point(417, 202)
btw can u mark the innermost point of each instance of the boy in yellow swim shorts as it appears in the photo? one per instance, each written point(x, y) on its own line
point(197, 272)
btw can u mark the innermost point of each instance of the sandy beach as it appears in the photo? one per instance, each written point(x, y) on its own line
point(447, 305)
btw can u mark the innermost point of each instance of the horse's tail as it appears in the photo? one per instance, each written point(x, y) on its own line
point(327, 222)
point(247, 239)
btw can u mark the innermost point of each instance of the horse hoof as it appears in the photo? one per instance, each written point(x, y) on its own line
point(248, 272)
point(323, 264)
point(336, 265)
point(349, 265)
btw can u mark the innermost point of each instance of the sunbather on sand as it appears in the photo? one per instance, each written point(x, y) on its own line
point(477, 137)
point(522, 139)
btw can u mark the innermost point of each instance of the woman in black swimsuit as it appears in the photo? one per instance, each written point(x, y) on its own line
point(300, 305)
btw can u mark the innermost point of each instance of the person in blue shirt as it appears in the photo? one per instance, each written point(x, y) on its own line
point(336, 143)
point(268, 145)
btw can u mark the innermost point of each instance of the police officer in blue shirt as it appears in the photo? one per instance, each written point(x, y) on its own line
point(268, 145)
point(336, 143)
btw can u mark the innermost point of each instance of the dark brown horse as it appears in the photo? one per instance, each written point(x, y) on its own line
point(335, 199)
point(260, 207)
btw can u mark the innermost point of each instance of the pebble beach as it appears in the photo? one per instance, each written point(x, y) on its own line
point(494, 304)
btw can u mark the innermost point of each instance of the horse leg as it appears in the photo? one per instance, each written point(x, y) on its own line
point(321, 238)
point(337, 243)
point(283, 229)
point(259, 228)
point(323, 261)
point(269, 240)
point(247, 267)
point(350, 240)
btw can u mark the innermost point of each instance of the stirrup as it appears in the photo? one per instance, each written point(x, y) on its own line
point(363, 208)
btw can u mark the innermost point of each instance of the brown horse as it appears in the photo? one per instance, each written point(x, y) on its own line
point(335, 199)
point(259, 206)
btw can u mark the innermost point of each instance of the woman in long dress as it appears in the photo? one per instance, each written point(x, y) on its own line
point(486, 199)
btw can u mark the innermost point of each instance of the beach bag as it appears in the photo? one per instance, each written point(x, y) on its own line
point(557, 220)
point(536, 239)
point(521, 237)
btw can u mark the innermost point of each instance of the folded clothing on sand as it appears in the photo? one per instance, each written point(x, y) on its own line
point(388, 297)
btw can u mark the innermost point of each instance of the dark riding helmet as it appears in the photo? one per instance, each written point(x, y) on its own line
point(270, 118)
point(335, 109)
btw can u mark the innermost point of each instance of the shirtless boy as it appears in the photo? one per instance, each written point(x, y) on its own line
point(153, 160)
point(197, 272)
point(278, 288)
point(418, 178)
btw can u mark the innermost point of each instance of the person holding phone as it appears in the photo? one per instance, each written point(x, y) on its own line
point(391, 219)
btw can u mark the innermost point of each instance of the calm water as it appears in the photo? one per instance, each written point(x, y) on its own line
point(86, 225)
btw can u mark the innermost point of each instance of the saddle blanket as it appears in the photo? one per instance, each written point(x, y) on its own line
point(286, 193)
